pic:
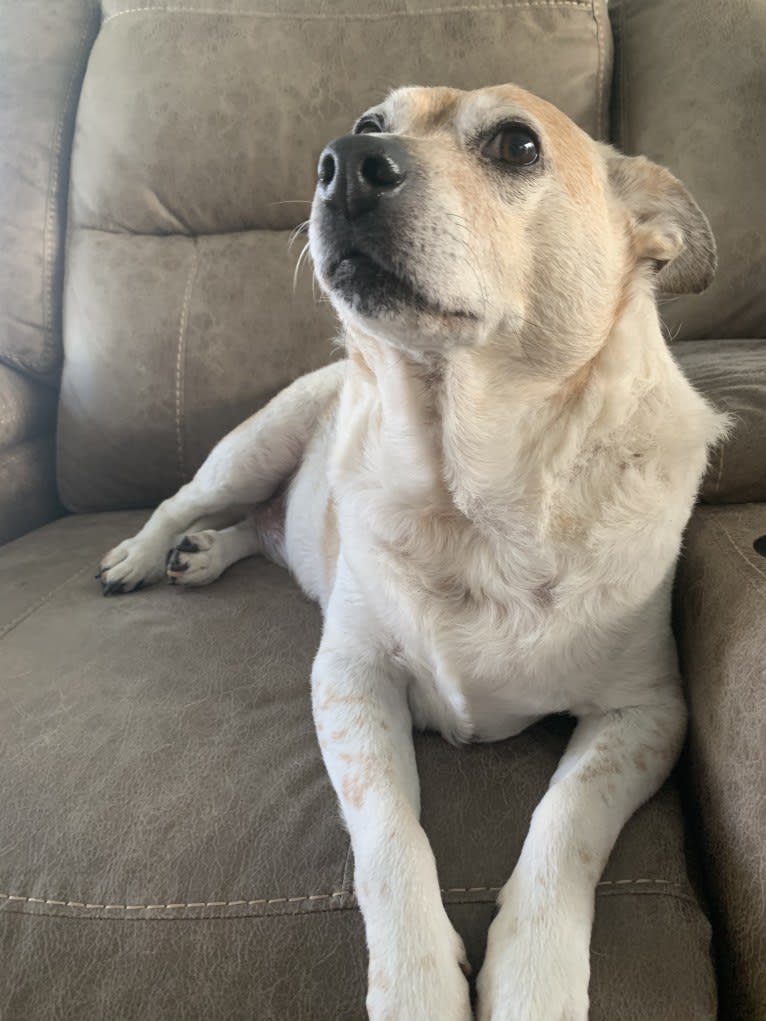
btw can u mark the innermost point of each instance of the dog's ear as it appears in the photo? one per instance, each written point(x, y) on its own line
point(669, 228)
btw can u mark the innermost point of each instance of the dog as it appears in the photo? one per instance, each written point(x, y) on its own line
point(487, 498)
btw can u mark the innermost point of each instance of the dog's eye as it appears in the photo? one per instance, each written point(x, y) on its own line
point(513, 145)
point(368, 126)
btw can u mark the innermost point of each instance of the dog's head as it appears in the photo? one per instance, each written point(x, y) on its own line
point(452, 218)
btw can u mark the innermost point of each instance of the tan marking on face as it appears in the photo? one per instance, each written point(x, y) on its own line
point(572, 152)
point(338, 735)
point(430, 109)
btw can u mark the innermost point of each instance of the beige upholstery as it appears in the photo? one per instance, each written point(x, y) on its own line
point(690, 85)
point(44, 48)
point(162, 765)
point(170, 847)
point(195, 152)
point(28, 495)
point(721, 609)
point(732, 373)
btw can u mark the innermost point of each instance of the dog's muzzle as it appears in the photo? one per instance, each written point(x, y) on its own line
point(357, 173)
point(368, 198)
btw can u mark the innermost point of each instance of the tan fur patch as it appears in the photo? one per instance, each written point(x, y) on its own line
point(430, 109)
point(570, 147)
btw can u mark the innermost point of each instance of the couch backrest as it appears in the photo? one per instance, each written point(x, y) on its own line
point(44, 49)
point(690, 92)
point(196, 142)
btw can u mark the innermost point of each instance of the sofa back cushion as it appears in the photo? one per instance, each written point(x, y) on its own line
point(43, 49)
point(195, 151)
point(690, 81)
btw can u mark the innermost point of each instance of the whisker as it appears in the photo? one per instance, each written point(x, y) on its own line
point(296, 233)
point(299, 263)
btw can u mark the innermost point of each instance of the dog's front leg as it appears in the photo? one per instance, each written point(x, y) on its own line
point(365, 733)
point(537, 963)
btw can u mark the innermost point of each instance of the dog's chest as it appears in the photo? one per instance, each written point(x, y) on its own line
point(470, 618)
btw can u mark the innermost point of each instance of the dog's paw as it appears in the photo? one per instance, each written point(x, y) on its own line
point(196, 560)
point(535, 968)
point(130, 566)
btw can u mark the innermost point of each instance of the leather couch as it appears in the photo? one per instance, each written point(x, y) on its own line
point(170, 848)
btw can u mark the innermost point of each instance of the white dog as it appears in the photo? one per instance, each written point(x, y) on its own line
point(487, 498)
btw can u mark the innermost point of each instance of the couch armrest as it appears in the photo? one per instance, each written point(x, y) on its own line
point(721, 628)
point(28, 496)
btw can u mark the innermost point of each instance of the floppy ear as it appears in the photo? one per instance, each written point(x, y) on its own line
point(669, 228)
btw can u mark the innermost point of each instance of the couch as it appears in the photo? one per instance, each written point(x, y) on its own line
point(170, 847)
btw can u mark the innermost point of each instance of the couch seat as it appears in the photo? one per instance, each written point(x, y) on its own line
point(170, 846)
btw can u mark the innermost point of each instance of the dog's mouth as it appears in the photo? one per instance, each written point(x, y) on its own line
point(373, 288)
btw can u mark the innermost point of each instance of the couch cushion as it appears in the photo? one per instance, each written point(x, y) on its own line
point(27, 408)
point(721, 612)
point(690, 80)
point(171, 847)
point(28, 495)
point(197, 136)
point(732, 373)
point(43, 49)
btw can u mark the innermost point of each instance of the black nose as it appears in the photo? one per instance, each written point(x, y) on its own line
point(356, 171)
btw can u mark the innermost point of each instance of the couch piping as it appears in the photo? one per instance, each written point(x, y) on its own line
point(301, 899)
point(350, 16)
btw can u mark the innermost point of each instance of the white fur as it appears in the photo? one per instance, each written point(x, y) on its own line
point(490, 522)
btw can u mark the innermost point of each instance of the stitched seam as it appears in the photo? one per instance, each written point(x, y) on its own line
point(684, 898)
point(53, 183)
point(36, 606)
point(749, 563)
point(348, 16)
point(601, 133)
point(302, 899)
point(181, 361)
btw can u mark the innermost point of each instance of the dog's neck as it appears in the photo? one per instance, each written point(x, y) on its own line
point(492, 437)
